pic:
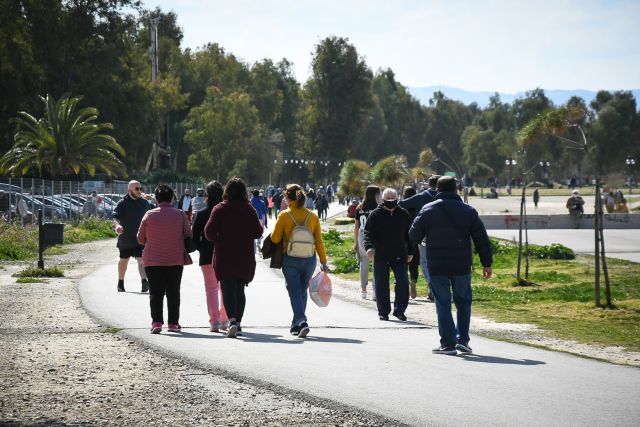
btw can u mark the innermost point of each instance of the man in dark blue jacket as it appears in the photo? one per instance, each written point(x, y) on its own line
point(386, 240)
point(416, 203)
point(449, 225)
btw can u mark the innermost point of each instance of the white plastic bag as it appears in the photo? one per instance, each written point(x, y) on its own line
point(320, 289)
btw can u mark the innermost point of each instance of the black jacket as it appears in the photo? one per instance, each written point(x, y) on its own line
point(387, 233)
point(205, 247)
point(449, 225)
point(129, 213)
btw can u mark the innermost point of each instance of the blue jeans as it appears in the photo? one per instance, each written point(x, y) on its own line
point(297, 273)
point(381, 270)
point(441, 287)
point(423, 263)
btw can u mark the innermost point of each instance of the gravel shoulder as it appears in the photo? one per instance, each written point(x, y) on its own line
point(58, 366)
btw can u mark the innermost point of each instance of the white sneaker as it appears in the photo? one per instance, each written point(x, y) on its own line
point(364, 294)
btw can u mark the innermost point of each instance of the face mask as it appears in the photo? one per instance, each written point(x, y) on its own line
point(390, 204)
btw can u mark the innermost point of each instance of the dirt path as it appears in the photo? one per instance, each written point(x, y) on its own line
point(59, 367)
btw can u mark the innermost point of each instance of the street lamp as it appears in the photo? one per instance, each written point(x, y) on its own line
point(545, 170)
point(631, 163)
point(511, 162)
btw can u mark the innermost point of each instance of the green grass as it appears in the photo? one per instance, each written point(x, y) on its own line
point(40, 272)
point(559, 298)
point(111, 330)
point(19, 243)
point(30, 280)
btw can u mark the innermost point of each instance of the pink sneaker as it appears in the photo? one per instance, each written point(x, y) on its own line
point(156, 327)
point(174, 328)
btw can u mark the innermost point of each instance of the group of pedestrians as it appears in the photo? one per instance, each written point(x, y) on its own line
point(225, 233)
point(436, 226)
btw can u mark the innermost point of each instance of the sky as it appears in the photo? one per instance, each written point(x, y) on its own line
point(482, 45)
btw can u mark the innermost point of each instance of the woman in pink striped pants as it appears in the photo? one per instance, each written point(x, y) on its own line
point(217, 313)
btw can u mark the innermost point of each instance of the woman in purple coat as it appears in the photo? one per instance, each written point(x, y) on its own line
point(232, 228)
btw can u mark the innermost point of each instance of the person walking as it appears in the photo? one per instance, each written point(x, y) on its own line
point(184, 203)
point(90, 207)
point(300, 229)
point(22, 210)
point(198, 203)
point(414, 265)
point(127, 216)
point(232, 228)
point(536, 197)
point(257, 202)
point(277, 200)
point(449, 225)
point(5, 206)
point(416, 203)
point(322, 205)
point(217, 314)
point(162, 233)
point(386, 240)
point(575, 205)
point(370, 201)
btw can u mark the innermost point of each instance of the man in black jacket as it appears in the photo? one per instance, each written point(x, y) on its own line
point(386, 236)
point(127, 216)
point(416, 203)
point(449, 225)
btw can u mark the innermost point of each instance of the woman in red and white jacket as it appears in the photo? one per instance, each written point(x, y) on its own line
point(162, 232)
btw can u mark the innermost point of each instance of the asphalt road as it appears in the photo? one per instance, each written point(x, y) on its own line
point(383, 367)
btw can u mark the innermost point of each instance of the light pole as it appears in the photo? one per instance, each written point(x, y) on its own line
point(545, 170)
point(511, 162)
point(631, 163)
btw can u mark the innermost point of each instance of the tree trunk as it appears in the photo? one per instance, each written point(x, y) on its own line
point(603, 258)
point(597, 238)
point(520, 236)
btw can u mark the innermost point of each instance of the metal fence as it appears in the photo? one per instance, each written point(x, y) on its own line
point(64, 200)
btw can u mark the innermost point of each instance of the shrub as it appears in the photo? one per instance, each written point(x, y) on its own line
point(40, 272)
point(17, 242)
point(347, 264)
point(89, 229)
point(553, 251)
point(332, 236)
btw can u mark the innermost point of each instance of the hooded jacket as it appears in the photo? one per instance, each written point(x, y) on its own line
point(387, 233)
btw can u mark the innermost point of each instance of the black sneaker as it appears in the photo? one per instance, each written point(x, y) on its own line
point(120, 285)
point(239, 333)
point(464, 348)
point(304, 330)
point(145, 286)
point(430, 297)
point(449, 349)
point(295, 330)
point(400, 316)
point(383, 317)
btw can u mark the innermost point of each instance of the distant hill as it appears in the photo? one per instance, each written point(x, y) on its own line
point(559, 97)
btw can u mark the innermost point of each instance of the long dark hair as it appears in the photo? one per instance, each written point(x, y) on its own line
point(214, 192)
point(369, 202)
point(295, 193)
point(235, 190)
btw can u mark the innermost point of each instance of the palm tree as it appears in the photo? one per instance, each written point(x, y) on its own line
point(391, 171)
point(65, 141)
point(353, 178)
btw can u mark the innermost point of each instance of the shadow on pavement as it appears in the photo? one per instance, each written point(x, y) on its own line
point(499, 360)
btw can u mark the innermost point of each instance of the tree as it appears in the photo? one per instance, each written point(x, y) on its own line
point(226, 138)
point(353, 177)
point(338, 95)
point(558, 122)
point(64, 141)
point(391, 171)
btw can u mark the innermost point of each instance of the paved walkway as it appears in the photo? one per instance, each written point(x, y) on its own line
point(384, 367)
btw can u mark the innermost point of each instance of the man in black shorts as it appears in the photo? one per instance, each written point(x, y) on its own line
point(127, 216)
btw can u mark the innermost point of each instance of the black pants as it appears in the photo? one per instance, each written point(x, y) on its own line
point(414, 265)
point(233, 297)
point(164, 281)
